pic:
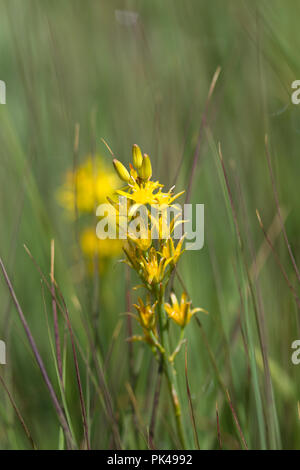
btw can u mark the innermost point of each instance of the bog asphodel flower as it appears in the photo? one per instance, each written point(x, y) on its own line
point(92, 245)
point(150, 266)
point(181, 313)
point(171, 253)
point(149, 262)
point(141, 193)
point(147, 319)
point(151, 252)
point(146, 314)
point(141, 190)
point(133, 255)
point(83, 189)
point(87, 186)
point(142, 243)
point(153, 267)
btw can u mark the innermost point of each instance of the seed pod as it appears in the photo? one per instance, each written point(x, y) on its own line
point(121, 170)
point(145, 172)
point(137, 156)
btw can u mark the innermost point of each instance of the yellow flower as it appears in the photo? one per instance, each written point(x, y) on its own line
point(148, 265)
point(166, 199)
point(141, 190)
point(170, 252)
point(90, 183)
point(162, 227)
point(142, 243)
point(153, 268)
point(181, 313)
point(146, 314)
point(91, 245)
point(141, 193)
point(147, 320)
point(133, 254)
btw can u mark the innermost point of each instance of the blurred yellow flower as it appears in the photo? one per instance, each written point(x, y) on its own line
point(92, 245)
point(88, 186)
point(85, 188)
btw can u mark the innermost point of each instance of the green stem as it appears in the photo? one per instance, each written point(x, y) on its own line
point(169, 370)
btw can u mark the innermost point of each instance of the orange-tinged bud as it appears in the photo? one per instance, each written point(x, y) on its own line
point(121, 170)
point(137, 156)
point(145, 172)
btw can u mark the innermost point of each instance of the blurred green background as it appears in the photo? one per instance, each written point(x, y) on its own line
point(144, 78)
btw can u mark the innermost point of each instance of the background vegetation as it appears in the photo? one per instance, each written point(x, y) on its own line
point(146, 81)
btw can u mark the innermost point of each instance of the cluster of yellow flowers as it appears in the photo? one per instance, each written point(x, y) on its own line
point(153, 260)
point(93, 183)
point(82, 191)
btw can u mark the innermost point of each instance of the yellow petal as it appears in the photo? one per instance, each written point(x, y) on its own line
point(174, 300)
point(195, 310)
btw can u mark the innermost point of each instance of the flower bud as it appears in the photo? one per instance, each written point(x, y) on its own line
point(145, 172)
point(121, 170)
point(137, 156)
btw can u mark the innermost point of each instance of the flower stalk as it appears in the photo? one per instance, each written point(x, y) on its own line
point(168, 366)
point(154, 258)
